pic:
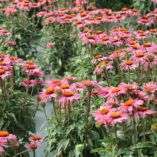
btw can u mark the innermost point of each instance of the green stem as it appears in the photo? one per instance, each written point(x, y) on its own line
point(129, 75)
point(143, 129)
point(33, 153)
point(116, 137)
point(134, 127)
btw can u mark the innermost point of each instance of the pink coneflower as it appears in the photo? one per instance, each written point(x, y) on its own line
point(149, 47)
point(4, 32)
point(5, 64)
point(149, 88)
point(133, 48)
point(32, 146)
point(28, 83)
point(90, 84)
point(138, 57)
point(36, 138)
point(102, 66)
point(114, 92)
point(98, 58)
point(51, 45)
point(49, 20)
point(7, 136)
point(131, 105)
point(129, 86)
point(10, 10)
point(104, 40)
point(143, 111)
point(30, 67)
point(10, 43)
point(155, 1)
point(4, 73)
point(68, 96)
point(152, 31)
point(150, 60)
point(41, 14)
point(101, 115)
point(70, 79)
point(145, 20)
point(48, 93)
point(116, 41)
point(128, 64)
point(78, 86)
point(36, 73)
point(116, 117)
point(117, 54)
point(53, 83)
point(90, 38)
point(139, 95)
point(14, 59)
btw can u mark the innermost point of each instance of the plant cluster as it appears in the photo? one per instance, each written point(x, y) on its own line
point(106, 103)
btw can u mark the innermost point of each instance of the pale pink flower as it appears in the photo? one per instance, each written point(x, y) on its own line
point(53, 83)
point(128, 86)
point(68, 96)
point(4, 32)
point(41, 14)
point(48, 93)
point(102, 66)
point(10, 10)
point(143, 111)
point(114, 92)
point(101, 115)
point(149, 87)
point(51, 45)
point(117, 54)
point(116, 41)
point(4, 73)
point(130, 105)
point(30, 67)
point(155, 1)
point(116, 117)
point(128, 64)
point(150, 60)
point(28, 83)
point(138, 57)
point(145, 20)
point(104, 40)
point(77, 86)
point(49, 20)
point(10, 43)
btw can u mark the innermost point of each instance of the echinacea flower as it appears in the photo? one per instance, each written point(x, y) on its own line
point(114, 92)
point(131, 105)
point(4, 73)
point(128, 64)
point(116, 117)
point(143, 111)
point(149, 88)
point(28, 83)
point(104, 65)
point(101, 115)
point(48, 93)
point(68, 96)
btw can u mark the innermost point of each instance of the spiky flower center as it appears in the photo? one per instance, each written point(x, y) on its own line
point(129, 102)
point(104, 111)
point(4, 133)
point(115, 115)
point(116, 90)
point(49, 90)
point(68, 93)
point(64, 86)
point(2, 71)
point(128, 62)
